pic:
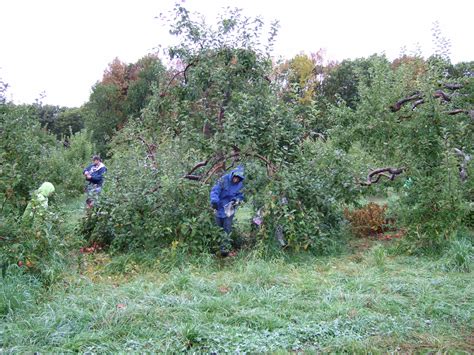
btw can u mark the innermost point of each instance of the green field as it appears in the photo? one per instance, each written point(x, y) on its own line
point(362, 301)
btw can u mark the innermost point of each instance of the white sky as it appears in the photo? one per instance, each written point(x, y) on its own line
point(61, 47)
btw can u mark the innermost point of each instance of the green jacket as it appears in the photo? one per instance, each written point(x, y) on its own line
point(40, 199)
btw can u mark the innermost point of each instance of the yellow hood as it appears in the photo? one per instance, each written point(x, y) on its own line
point(46, 189)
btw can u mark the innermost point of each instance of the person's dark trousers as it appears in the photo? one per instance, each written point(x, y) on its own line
point(226, 224)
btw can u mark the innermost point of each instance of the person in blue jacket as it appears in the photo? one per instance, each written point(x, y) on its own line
point(225, 196)
point(94, 174)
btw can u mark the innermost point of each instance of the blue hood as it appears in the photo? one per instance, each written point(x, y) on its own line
point(237, 172)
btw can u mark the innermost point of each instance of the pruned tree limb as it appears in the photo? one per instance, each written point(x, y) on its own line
point(374, 176)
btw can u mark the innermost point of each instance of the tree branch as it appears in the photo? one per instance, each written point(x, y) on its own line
point(398, 105)
point(442, 95)
point(378, 173)
point(183, 72)
point(219, 164)
point(418, 98)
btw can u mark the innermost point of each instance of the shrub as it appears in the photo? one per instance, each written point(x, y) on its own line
point(145, 207)
point(39, 245)
point(304, 199)
point(368, 220)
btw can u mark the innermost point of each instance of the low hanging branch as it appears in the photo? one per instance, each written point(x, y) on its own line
point(463, 165)
point(219, 164)
point(374, 176)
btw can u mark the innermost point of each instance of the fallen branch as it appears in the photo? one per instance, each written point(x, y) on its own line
point(378, 173)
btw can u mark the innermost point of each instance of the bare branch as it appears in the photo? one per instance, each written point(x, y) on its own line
point(192, 177)
point(442, 95)
point(457, 111)
point(378, 173)
point(220, 116)
point(197, 166)
point(417, 102)
point(183, 72)
point(219, 164)
point(398, 105)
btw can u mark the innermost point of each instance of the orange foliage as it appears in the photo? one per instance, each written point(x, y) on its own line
point(368, 220)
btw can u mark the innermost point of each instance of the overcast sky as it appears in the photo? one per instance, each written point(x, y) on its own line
point(61, 47)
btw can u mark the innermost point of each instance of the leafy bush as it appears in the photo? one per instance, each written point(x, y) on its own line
point(40, 244)
point(22, 148)
point(30, 155)
point(145, 207)
point(305, 198)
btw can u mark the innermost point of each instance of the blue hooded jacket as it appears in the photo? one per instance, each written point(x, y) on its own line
point(225, 191)
point(96, 173)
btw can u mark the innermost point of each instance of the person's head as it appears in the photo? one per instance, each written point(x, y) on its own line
point(46, 189)
point(96, 160)
point(236, 179)
point(89, 203)
point(237, 176)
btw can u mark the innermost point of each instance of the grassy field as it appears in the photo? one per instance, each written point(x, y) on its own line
point(364, 301)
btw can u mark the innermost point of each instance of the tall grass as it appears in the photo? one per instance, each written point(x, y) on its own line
point(364, 302)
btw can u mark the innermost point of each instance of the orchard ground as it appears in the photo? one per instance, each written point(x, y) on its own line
point(365, 299)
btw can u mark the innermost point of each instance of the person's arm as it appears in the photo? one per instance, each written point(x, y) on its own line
point(215, 194)
point(97, 176)
point(239, 197)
